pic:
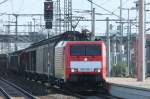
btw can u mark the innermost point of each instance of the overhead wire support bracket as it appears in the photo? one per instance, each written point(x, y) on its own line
point(104, 9)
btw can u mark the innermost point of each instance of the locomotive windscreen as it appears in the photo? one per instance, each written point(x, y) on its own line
point(85, 50)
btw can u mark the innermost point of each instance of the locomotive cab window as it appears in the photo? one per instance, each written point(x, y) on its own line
point(78, 50)
point(85, 50)
point(93, 50)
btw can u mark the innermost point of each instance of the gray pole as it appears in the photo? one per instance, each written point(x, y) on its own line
point(9, 46)
point(108, 47)
point(120, 16)
point(91, 15)
point(128, 50)
point(34, 24)
point(141, 43)
point(130, 40)
point(121, 30)
point(16, 32)
point(93, 24)
point(48, 66)
point(59, 11)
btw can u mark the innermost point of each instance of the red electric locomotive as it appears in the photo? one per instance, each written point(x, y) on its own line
point(84, 62)
point(61, 60)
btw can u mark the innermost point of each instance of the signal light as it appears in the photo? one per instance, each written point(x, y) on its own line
point(48, 10)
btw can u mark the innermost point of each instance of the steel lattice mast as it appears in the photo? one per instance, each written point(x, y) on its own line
point(58, 17)
point(67, 15)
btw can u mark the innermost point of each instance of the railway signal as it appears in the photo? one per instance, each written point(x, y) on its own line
point(48, 25)
point(48, 10)
point(48, 14)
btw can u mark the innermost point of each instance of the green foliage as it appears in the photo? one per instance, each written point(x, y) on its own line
point(119, 70)
point(132, 70)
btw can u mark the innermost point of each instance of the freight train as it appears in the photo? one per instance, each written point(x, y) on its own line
point(69, 58)
point(3, 63)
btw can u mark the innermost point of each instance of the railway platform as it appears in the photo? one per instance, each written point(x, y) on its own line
point(130, 82)
point(129, 88)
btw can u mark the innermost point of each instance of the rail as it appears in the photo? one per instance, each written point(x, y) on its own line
point(16, 87)
point(88, 95)
point(6, 95)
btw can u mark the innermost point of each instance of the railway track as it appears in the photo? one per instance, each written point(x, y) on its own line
point(3, 94)
point(9, 90)
point(96, 95)
point(86, 94)
point(70, 92)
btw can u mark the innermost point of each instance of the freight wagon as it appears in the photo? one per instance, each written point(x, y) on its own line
point(3, 63)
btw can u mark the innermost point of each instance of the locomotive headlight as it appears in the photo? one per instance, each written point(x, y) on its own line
point(72, 70)
point(97, 70)
point(85, 59)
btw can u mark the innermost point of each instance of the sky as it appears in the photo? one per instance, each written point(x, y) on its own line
point(36, 7)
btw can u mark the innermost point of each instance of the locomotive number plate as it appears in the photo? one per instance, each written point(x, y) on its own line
point(85, 69)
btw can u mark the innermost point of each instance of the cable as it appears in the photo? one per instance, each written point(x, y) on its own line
point(104, 9)
point(106, 1)
point(3, 2)
point(119, 6)
point(1, 14)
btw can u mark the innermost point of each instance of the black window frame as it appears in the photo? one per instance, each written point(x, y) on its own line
point(85, 50)
point(98, 53)
point(77, 45)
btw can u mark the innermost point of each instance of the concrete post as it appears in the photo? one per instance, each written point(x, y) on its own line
point(141, 44)
point(93, 24)
point(128, 45)
point(108, 48)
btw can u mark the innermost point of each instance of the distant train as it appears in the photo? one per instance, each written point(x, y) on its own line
point(3, 63)
point(64, 60)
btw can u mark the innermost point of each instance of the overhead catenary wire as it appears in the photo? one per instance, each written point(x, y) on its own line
point(115, 9)
point(104, 9)
point(3, 2)
point(105, 2)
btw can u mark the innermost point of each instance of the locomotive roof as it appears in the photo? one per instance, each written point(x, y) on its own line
point(67, 36)
point(16, 52)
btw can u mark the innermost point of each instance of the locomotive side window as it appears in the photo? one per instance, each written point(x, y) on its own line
point(93, 50)
point(85, 50)
point(77, 50)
